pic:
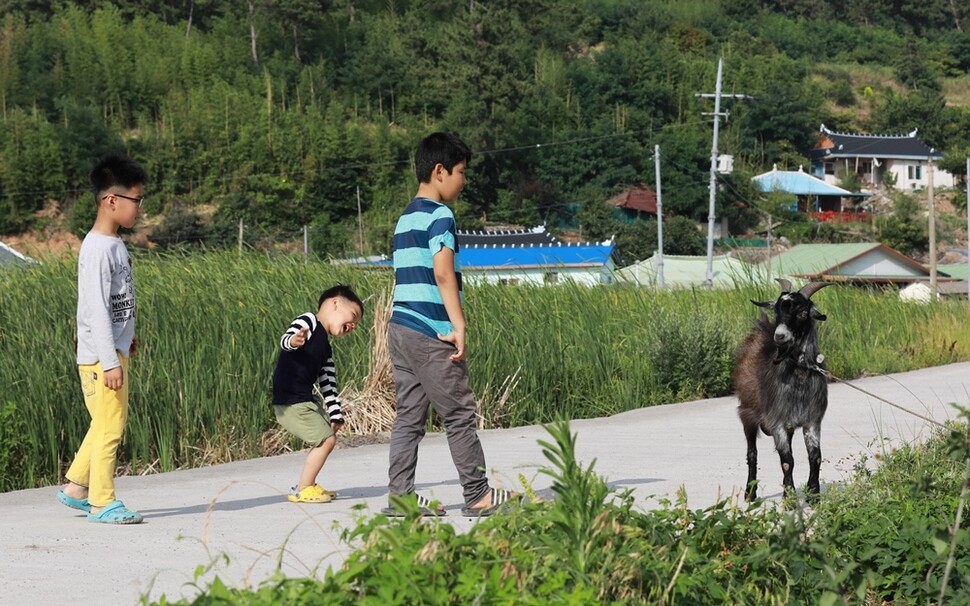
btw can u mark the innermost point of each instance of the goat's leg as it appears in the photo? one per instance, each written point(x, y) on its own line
point(782, 438)
point(812, 444)
point(751, 487)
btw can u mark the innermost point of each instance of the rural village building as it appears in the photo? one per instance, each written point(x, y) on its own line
point(524, 256)
point(820, 200)
point(686, 271)
point(534, 256)
point(9, 256)
point(633, 202)
point(872, 157)
point(857, 263)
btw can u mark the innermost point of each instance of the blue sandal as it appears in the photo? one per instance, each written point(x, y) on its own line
point(79, 504)
point(115, 512)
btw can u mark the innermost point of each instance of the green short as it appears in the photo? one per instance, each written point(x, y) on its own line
point(308, 421)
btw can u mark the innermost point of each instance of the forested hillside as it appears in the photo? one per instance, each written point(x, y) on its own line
point(284, 113)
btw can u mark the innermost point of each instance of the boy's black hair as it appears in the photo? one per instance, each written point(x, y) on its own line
point(115, 170)
point(341, 290)
point(439, 148)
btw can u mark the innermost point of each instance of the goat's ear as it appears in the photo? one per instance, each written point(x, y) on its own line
point(765, 304)
point(817, 315)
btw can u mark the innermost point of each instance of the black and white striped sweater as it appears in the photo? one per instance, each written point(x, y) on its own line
point(298, 369)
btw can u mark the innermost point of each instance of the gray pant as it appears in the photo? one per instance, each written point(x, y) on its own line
point(424, 375)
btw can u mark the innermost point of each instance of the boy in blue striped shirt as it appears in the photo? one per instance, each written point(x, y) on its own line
point(426, 335)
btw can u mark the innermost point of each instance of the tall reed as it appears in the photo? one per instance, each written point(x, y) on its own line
point(209, 326)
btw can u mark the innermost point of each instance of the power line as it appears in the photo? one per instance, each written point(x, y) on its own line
point(76, 191)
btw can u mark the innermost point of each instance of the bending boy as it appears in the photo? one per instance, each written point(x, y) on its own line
point(305, 360)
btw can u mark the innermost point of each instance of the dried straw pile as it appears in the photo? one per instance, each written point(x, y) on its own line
point(371, 410)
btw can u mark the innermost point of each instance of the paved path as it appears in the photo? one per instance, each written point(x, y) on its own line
point(52, 556)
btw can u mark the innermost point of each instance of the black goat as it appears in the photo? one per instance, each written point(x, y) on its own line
point(778, 383)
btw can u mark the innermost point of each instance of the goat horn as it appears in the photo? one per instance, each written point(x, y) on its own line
point(813, 287)
point(785, 284)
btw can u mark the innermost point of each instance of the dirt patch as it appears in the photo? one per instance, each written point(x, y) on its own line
point(45, 244)
point(355, 440)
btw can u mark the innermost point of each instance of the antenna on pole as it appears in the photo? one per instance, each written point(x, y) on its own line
point(660, 221)
point(360, 223)
point(712, 186)
point(931, 204)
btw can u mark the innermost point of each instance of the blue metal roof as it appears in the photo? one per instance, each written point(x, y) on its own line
point(560, 255)
point(515, 257)
point(797, 182)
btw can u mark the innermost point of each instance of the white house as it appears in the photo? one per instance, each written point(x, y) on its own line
point(872, 157)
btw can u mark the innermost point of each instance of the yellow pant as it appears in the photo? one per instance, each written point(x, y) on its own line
point(95, 461)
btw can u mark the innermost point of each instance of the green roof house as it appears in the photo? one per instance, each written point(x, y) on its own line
point(10, 257)
point(681, 271)
point(863, 262)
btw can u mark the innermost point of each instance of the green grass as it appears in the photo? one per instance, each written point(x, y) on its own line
point(209, 326)
point(883, 538)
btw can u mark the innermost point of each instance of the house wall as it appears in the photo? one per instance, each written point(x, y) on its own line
point(586, 276)
point(910, 174)
point(878, 264)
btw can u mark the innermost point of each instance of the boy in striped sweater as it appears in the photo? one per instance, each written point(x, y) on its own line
point(306, 359)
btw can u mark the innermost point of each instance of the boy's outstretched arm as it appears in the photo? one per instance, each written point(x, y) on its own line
point(296, 334)
point(447, 280)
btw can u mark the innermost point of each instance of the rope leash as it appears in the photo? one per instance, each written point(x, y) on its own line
point(829, 375)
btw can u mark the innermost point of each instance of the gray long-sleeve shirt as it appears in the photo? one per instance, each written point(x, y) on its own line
point(105, 301)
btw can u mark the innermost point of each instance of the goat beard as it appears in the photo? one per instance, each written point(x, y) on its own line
point(786, 351)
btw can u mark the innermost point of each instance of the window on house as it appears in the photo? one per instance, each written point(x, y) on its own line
point(508, 280)
point(865, 168)
point(550, 277)
point(830, 168)
point(914, 173)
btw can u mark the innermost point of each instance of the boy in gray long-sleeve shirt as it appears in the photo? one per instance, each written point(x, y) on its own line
point(105, 340)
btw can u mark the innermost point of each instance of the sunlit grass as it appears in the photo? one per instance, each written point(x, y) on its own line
point(209, 327)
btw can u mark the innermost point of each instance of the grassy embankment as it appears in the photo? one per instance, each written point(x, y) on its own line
point(209, 326)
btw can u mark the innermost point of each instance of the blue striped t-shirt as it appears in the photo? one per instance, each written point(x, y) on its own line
point(423, 229)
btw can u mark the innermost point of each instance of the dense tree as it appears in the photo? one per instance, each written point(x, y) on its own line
point(278, 112)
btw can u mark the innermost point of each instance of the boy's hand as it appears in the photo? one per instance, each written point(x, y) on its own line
point(336, 427)
point(299, 338)
point(114, 379)
point(134, 347)
point(456, 338)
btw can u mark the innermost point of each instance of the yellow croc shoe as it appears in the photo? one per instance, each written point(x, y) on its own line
point(310, 494)
point(332, 493)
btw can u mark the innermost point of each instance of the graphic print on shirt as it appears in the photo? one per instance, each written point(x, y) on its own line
point(123, 304)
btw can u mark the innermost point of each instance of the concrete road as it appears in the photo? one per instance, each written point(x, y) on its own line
point(52, 555)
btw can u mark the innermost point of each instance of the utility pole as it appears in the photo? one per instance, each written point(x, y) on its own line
point(966, 182)
point(660, 220)
point(711, 217)
point(932, 213)
point(360, 223)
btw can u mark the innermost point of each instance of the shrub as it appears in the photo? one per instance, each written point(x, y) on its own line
point(15, 447)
